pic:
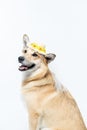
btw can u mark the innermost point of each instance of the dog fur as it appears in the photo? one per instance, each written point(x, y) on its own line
point(50, 107)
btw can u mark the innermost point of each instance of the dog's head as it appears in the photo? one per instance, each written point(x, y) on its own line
point(33, 62)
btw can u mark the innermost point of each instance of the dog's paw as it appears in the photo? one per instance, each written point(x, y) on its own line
point(46, 129)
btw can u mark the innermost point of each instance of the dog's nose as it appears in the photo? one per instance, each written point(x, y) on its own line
point(20, 59)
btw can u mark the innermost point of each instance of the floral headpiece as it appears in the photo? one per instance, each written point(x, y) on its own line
point(38, 48)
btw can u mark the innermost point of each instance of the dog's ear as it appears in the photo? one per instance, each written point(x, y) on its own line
point(25, 40)
point(50, 57)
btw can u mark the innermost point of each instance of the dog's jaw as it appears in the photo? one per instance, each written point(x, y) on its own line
point(39, 73)
point(28, 74)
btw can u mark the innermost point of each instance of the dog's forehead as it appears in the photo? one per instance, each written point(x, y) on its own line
point(29, 50)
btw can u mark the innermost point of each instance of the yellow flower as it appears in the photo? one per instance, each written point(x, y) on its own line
point(39, 48)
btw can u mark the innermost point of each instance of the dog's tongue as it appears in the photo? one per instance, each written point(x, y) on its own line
point(22, 67)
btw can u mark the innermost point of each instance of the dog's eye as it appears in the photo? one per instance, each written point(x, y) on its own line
point(34, 54)
point(25, 51)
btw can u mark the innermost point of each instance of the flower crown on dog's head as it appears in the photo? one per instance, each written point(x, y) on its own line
point(39, 48)
point(35, 46)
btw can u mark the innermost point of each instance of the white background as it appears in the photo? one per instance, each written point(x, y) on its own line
point(62, 26)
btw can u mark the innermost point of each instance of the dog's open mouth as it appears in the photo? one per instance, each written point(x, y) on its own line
point(24, 67)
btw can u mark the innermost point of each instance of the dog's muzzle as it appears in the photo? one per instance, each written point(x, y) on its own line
point(24, 67)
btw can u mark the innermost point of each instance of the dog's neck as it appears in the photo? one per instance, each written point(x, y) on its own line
point(41, 80)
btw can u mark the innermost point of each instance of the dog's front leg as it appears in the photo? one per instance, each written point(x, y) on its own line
point(34, 121)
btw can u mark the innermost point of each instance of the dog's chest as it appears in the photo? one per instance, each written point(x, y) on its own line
point(33, 101)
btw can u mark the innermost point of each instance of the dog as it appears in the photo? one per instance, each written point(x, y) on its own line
point(50, 106)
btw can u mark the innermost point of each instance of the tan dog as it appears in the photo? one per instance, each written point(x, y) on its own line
point(50, 106)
